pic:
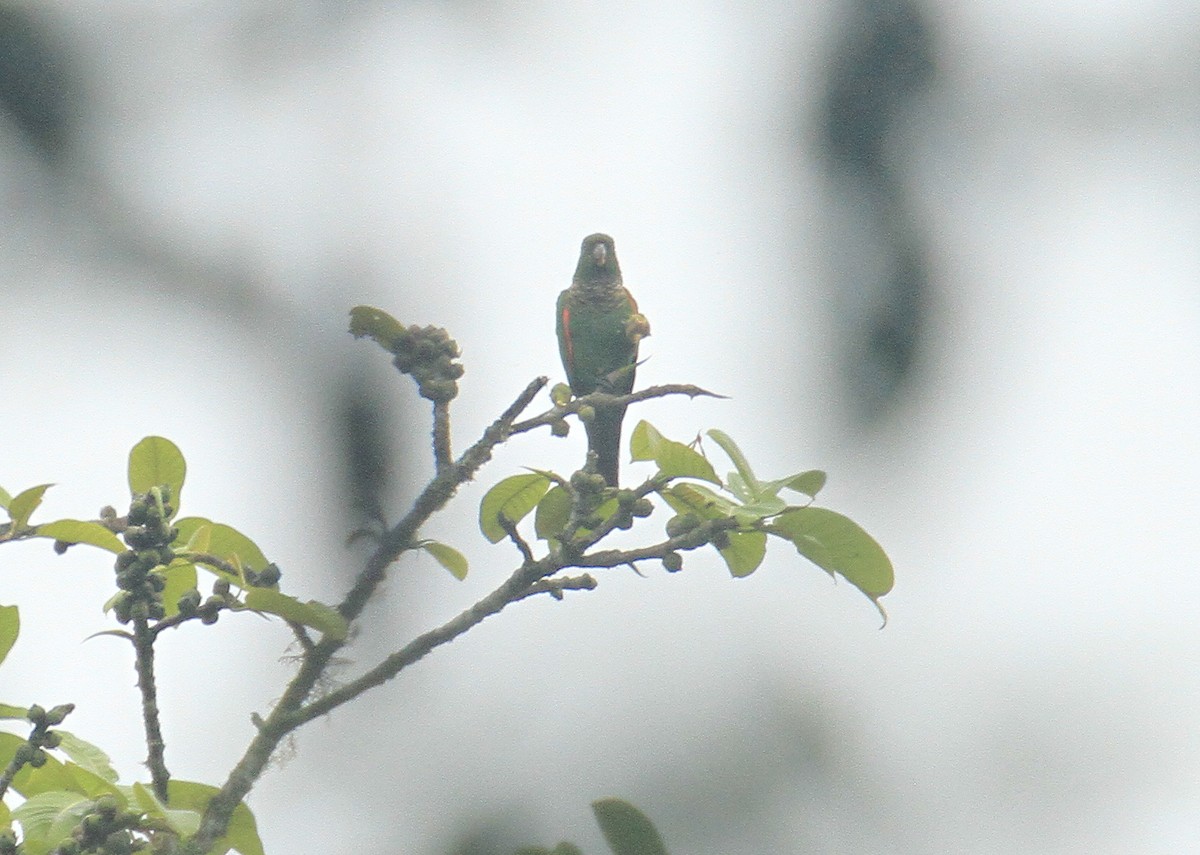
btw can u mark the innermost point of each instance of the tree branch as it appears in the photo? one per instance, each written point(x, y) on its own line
point(284, 717)
point(143, 646)
point(518, 586)
point(601, 399)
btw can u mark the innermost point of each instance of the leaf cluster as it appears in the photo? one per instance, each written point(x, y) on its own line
point(72, 802)
point(735, 515)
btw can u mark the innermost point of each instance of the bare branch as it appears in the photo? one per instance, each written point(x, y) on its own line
point(601, 399)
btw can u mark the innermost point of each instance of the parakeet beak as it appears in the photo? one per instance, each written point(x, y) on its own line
point(600, 254)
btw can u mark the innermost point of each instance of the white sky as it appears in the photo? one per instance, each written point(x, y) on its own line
point(1038, 685)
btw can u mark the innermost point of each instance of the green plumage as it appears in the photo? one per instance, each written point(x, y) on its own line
point(598, 333)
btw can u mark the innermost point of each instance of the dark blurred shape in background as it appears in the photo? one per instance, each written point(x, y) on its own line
point(883, 64)
point(36, 90)
point(364, 431)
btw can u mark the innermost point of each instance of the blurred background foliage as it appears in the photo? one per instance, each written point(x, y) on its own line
point(944, 251)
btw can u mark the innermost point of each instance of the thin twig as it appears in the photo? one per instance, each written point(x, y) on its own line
point(517, 587)
point(284, 717)
point(143, 646)
point(442, 456)
point(555, 586)
point(601, 399)
point(510, 528)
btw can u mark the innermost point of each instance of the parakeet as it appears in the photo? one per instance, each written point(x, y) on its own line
point(599, 328)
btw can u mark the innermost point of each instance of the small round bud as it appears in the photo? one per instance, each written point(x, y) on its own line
point(61, 546)
point(52, 739)
point(270, 575)
point(681, 524)
point(672, 562)
point(587, 414)
point(126, 559)
point(107, 805)
point(118, 843)
point(560, 394)
point(626, 498)
point(36, 715)
point(559, 428)
point(137, 511)
point(38, 758)
point(122, 610)
point(220, 587)
point(625, 521)
point(643, 507)
point(189, 601)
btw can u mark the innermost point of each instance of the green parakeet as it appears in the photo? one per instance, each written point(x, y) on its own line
point(598, 333)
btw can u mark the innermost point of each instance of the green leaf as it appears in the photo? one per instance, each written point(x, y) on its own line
point(224, 541)
point(739, 460)
point(9, 742)
point(674, 459)
point(47, 819)
point(242, 834)
point(5, 498)
point(22, 506)
point(514, 497)
point(87, 755)
point(82, 531)
point(91, 783)
point(553, 513)
point(699, 500)
point(10, 628)
point(627, 829)
point(448, 557)
point(745, 551)
point(809, 483)
point(376, 323)
point(323, 618)
point(837, 544)
point(12, 713)
point(183, 821)
point(156, 461)
point(738, 487)
point(52, 776)
point(180, 576)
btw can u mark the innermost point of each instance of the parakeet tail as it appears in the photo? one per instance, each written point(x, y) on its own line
point(604, 438)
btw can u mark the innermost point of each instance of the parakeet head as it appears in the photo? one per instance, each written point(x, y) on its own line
point(598, 262)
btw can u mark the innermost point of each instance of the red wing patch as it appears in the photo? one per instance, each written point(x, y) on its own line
point(566, 325)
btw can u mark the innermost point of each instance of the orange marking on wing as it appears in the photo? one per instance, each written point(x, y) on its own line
point(566, 322)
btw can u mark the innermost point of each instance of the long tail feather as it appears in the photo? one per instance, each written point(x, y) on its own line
point(604, 438)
